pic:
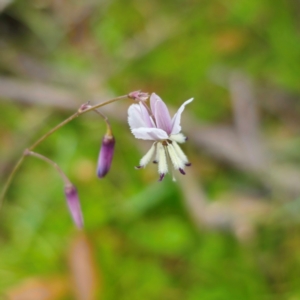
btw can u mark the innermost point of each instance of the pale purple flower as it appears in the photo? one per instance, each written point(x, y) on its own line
point(154, 123)
point(105, 155)
point(74, 205)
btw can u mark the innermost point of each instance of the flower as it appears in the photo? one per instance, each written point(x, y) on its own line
point(74, 204)
point(106, 154)
point(155, 124)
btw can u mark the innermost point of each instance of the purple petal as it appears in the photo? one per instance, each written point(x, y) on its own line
point(74, 205)
point(162, 116)
point(176, 128)
point(149, 134)
point(105, 155)
point(153, 99)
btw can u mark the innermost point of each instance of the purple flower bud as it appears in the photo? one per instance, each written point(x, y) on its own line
point(138, 96)
point(105, 155)
point(74, 205)
point(84, 106)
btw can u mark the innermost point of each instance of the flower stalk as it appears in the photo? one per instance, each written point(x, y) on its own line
point(70, 190)
point(82, 110)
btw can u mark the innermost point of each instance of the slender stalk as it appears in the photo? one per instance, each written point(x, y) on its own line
point(72, 117)
point(52, 163)
point(46, 135)
point(42, 138)
point(9, 179)
point(149, 110)
point(108, 127)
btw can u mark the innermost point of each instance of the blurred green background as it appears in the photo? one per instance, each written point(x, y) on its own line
point(230, 228)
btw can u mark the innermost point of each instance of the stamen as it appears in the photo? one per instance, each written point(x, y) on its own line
point(161, 177)
point(162, 161)
point(147, 157)
point(138, 167)
point(188, 164)
point(181, 171)
point(156, 159)
point(181, 155)
point(178, 163)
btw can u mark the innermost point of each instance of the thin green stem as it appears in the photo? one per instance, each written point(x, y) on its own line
point(9, 179)
point(72, 117)
point(42, 138)
point(108, 127)
point(52, 163)
point(46, 135)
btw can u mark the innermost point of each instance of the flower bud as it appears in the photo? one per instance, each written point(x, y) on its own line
point(106, 154)
point(138, 96)
point(84, 107)
point(74, 205)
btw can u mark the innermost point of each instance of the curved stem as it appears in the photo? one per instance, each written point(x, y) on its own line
point(9, 179)
point(53, 130)
point(108, 127)
point(52, 163)
point(72, 117)
point(46, 135)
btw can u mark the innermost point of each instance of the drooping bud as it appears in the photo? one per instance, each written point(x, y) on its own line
point(106, 154)
point(74, 205)
point(138, 96)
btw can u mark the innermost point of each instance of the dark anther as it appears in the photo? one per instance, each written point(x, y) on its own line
point(181, 171)
point(161, 177)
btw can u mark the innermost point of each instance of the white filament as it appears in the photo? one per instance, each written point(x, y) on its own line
point(162, 159)
point(178, 163)
point(148, 156)
point(180, 153)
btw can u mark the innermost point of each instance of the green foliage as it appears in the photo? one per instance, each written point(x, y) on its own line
point(144, 240)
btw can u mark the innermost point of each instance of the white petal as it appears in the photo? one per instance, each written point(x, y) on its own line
point(162, 161)
point(145, 133)
point(180, 153)
point(176, 160)
point(145, 115)
point(148, 156)
point(135, 117)
point(179, 138)
point(176, 128)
